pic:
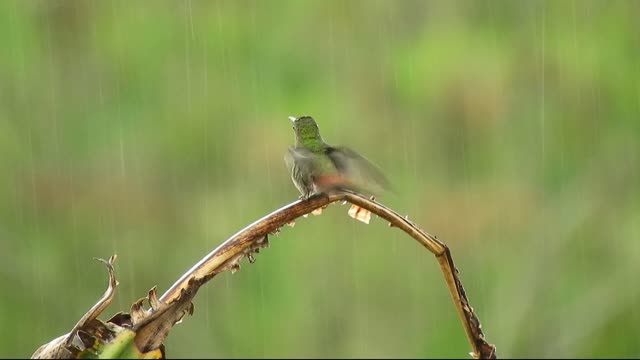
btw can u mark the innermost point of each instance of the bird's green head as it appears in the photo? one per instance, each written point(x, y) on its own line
point(306, 132)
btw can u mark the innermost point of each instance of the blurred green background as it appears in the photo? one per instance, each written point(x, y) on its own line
point(156, 130)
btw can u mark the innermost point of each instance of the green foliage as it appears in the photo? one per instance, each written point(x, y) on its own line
point(120, 347)
point(156, 130)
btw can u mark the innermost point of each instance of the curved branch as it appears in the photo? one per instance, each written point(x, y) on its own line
point(254, 236)
point(473, 328)
point(240, 244)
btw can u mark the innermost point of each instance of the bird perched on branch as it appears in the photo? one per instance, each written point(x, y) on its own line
point(317, 167)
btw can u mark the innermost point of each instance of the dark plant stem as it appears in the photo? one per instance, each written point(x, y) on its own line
point(254, 236)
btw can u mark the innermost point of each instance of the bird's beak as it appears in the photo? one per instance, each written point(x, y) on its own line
point(292, 118)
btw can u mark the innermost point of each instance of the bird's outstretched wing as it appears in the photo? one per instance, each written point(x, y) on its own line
point(360, 171)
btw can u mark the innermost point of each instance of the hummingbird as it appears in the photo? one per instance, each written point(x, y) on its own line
point(317, 167)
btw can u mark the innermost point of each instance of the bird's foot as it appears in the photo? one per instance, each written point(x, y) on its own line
point(308, 195)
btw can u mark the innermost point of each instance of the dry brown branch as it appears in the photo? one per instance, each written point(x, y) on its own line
point(255, 236)
point(61, 347)
point(149, 327)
